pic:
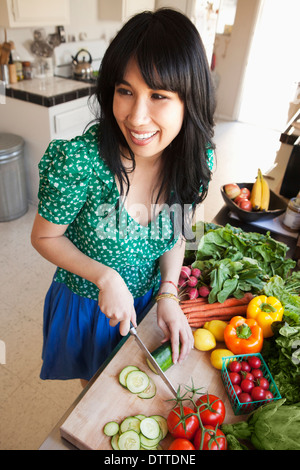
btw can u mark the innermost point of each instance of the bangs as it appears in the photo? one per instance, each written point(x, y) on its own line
point(161, 68)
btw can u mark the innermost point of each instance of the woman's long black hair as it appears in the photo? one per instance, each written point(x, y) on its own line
point(171, 56)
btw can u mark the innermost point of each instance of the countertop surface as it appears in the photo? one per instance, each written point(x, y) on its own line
point(49, 91)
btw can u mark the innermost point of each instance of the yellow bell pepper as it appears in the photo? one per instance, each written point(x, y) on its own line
point(265, 310)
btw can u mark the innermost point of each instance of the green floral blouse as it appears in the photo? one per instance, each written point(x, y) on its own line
point(78, 189)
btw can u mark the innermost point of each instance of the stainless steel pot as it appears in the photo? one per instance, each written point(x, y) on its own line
point(82, 69)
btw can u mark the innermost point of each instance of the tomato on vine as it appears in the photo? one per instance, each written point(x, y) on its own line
point(211, 410)
point(181, 444)
point(182, 422)
point(210, 438)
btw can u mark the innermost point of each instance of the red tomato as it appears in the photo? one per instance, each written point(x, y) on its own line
point(235, 378)
point(235, 366)
point(212, 439)
point(247, 385)
point(263, 383)
point(181, 444)
point(244, 398)
point(248, 376)
point(245, 366)
point(268, 395)
point(212, 411)
point(175, 423)
point(237, 389)
point(257, 373)
point(258, 393)
point(254, 362)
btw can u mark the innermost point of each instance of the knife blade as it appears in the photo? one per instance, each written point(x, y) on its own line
point(151, 359)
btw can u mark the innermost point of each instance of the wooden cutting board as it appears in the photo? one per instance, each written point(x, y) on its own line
point(107, 400)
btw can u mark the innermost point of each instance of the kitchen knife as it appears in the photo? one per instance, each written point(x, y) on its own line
point(151, 359)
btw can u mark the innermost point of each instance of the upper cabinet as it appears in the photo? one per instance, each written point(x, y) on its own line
point(27, 13)
point(122, 10)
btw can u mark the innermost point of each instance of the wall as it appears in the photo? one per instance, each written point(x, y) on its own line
point(231, 59)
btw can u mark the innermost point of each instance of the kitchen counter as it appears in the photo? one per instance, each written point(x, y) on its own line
point(50, 91)
point(55, 442)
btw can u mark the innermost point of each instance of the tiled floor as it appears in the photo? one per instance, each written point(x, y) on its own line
point(29, 407)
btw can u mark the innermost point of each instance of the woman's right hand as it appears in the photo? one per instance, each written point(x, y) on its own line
point(117, 303)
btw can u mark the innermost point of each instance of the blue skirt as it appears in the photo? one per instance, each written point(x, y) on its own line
point(77, 335)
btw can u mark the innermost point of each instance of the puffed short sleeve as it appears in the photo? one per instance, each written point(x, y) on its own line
point(65, 171)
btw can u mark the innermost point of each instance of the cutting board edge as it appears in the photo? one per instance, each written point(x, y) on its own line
point(73, 440)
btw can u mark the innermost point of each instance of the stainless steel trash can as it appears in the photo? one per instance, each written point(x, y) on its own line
point(13, 188)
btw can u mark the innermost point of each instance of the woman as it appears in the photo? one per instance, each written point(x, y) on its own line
point(103, 215)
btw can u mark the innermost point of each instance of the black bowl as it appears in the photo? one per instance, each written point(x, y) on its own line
point(276, 207)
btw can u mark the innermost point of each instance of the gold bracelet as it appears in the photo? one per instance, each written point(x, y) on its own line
point(166, 295)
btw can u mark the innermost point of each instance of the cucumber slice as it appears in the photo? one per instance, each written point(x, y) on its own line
point(162, 424)
point(163, 357)
point(149, 443)
point(131, 423)
point(129, 440)
point(140, 417)
point(150, 391)
point(111, 428)
point(137, 381)
point(114, 442)
point(150, 428)
point(124, 372)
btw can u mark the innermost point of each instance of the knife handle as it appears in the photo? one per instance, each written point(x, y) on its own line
point(132, 329)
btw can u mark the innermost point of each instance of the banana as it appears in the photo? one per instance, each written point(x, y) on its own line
point(265, 194)
point(255, 196)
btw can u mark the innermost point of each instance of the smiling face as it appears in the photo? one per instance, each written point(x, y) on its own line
point(149, 119)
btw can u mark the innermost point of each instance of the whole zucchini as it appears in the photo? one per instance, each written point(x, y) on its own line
point(163, 357)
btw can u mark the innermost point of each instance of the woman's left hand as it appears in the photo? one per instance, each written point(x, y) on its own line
point(175, 327)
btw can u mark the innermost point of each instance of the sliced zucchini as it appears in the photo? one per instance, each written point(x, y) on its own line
point(149, 443)
point(114, 442)
point(111, 428)
point(131, 423)
point(137, 381)
point(140, 417)
point(124, 372)
point(162, 424)
point(150, 391)
point(150, 428)
point(129, 440)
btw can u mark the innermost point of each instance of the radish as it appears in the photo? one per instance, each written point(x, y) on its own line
point(181, 282)
point(204, 291)
point(196, 272)
point(192, 282)
point(185, 272)
point(192, 292)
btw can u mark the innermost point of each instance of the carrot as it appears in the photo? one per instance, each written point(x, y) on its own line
point(217, 312)
point(198, 301)
point(231, 302)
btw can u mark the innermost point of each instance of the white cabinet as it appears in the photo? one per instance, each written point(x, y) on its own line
point(122, 10)
point(27, 13)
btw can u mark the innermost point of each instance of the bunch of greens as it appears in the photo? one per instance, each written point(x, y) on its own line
point(234, 243)
point(288, 292)
point(282, 354)
point(233, 262)
point(274, 426)
point(230, 278)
